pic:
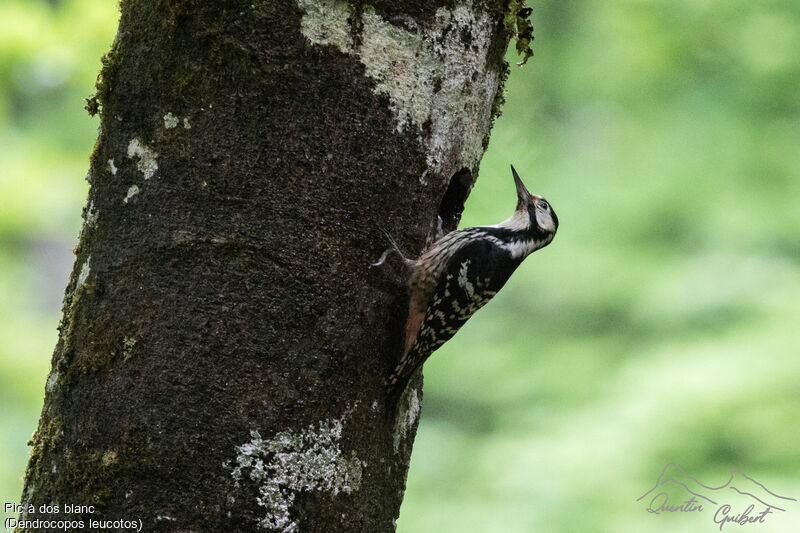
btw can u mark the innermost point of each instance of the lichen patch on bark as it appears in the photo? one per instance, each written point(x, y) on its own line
point(170, 121)
point(127, 347)
point(109, 458)
point(84, 273)
point(52, 380)
point(326, 22)
point(406, 419)
point(436, 76)
point(147, 163)
point(295, 462)
point(133, 190)
point(91, 214)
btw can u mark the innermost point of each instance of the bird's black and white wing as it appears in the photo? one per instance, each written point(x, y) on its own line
point(473, 275)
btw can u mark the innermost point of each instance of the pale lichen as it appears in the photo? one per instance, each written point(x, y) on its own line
point(291, 463)
point(84, 273)
point(170, 121)
point(112, 167)
point(326, 22)
point(406, 418)
point(91, 214)
point(147, 164)
point(109, 458)
point(27, 497)
point(436, 76)
point(52, 381)
point(127, 347)
point(133, 190)
point(186, 124)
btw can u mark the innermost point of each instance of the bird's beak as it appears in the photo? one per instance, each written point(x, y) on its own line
point(523, 196)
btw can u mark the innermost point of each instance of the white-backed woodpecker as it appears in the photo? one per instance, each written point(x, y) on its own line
point(461, 271)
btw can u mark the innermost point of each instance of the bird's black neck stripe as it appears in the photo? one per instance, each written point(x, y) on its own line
point(509, 235)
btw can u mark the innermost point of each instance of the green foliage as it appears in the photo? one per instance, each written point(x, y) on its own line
point(661, 325)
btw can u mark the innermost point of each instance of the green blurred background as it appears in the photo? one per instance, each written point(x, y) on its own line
point(662, 324)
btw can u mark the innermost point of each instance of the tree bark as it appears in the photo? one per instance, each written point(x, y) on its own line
point(223, 342)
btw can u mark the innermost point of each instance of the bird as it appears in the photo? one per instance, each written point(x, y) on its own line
point(459, 273)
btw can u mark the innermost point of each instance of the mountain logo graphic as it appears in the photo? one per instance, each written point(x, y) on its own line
point(741, 500)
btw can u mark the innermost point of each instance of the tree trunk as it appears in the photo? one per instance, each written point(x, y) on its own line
point(223, 342)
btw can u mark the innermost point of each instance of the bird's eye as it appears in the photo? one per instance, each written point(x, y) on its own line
point(543, 205)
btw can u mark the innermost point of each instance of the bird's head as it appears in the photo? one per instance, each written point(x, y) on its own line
point(533, 211)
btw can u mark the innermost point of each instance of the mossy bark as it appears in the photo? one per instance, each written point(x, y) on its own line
point(223, 342)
